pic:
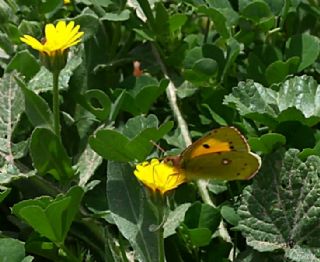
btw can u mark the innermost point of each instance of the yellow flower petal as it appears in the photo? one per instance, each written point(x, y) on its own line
point(31, 41)
point(159, 176)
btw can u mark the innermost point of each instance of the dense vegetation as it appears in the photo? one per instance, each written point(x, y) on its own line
point(203, 64)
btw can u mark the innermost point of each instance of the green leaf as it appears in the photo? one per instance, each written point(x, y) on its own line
point(43, 247)
point(306, 152)
point(267, 143)
point(161, 24)
point(51, 218)
point(305, 46)
point(174, 219)
point(192, 56)
point(116, 106)
point(25, 63)
point(233, 51)
point(49, 6)
point(280, 210)
point(104, 3)
point(10, 172)
point(256, 11)
point(131, 211)
point(230, 215)
point(96, 102)
point(279, 70)
point(251, 255)
point(33, 28)
point(6, 44)
point(218, 18)
point(176, 21)
point(216, 54)
point(297, 135)
point(218, 250)
point(88, 162)
point(4, 193)
point(196, 237)
point(122, 16)
point(42, 81)
point(202, 216)
point(36, 107)
point(11, 250)
point(296, 100)
point(89, 24)
point(217, 118)
point(205, 66)
point(217, 186)
point(11, 108)
point(145, 92)
point(133, 143)
point(49, 155)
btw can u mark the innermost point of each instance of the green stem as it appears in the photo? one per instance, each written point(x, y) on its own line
point(55, 104)
point(161, 201)
point(161, 244)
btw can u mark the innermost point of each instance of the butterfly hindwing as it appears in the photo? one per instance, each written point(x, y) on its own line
point(232, 165)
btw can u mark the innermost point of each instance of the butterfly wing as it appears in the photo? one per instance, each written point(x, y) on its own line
point(223, 139)
point(232, 165)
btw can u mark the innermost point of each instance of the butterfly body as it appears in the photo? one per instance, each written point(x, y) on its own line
point(222, 154)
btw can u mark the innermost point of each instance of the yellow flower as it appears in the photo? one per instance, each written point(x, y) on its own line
point(54, 49)
point(66, 2)
point(159, 176)
point(57, 39)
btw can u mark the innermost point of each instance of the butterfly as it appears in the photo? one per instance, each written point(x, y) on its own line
point(222, 154)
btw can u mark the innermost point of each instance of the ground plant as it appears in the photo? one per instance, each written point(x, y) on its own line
point(99, 100)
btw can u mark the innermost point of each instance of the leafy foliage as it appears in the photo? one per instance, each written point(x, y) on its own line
point(144, 73)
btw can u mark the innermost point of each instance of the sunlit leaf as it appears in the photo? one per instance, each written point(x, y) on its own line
point(135, 142)
point(296, 100)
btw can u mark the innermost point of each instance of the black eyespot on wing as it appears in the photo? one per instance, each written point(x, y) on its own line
point(206, 146)
point(231, 145)
point(238, 174)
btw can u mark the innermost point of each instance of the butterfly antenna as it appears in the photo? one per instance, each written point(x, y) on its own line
point(157, 146)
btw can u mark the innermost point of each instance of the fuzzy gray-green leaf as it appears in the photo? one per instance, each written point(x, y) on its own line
point(281, 209)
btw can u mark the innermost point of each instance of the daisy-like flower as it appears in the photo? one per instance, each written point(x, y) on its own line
point(159, 176)
point(53, 49)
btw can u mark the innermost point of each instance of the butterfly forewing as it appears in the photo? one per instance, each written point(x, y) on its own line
point(223, 139)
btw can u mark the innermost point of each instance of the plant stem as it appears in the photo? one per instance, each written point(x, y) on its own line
point(172, 97)
point(161, 244)
point(55, 104)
